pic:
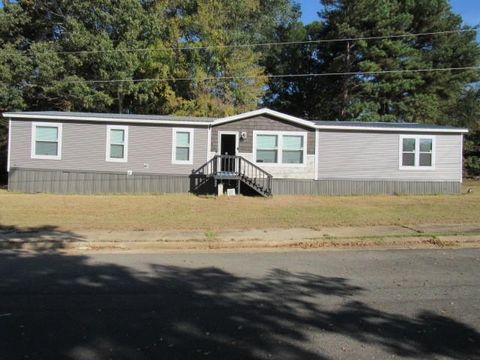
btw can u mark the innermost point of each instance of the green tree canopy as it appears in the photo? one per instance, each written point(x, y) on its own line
point(67, 54)
point(392, 96)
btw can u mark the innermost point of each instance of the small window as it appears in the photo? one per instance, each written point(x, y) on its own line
point(409, 152)
point(426, 147)
point(417, 152)
point(267, 148)
point(117, 143)
point(292, 152)
point(182, 151)
point(46, 141)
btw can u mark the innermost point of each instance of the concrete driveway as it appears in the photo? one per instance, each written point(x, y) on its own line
point(284, 305)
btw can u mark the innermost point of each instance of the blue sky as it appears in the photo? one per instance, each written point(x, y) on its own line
point(469, 9)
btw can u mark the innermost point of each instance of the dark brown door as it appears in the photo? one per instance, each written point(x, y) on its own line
point(228, 147)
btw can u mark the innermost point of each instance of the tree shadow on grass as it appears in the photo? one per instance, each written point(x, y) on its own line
point(54, 306)
point(38, 238)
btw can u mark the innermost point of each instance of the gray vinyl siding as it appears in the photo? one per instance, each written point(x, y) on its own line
point(375, 156)
point(260, 123)
point(84, 148)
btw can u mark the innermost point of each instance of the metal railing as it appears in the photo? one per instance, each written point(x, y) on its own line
point(233, 167)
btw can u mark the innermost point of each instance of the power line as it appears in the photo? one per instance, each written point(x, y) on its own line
point(267, 76)
point(265, 44)
point(273, 76)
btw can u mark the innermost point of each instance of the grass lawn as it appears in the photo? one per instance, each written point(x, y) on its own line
point(189, 212)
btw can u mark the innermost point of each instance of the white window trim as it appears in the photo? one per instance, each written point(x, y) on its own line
point(174, 146)
point(417, 166)
point(125, 145)
point(280, 135)
point(59, 141)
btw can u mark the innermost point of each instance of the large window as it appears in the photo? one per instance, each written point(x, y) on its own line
point(46, 141)
point(117, 143)
point(182, 146)
point(417, 152)
point(279, 148)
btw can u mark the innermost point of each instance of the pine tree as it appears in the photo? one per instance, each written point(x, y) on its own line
point(391, 96)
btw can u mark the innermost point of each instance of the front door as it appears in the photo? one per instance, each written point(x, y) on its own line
point(228, 147)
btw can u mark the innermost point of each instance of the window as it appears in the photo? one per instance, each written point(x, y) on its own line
point(286, 148)
point(408, 152)
point(417, 152)
point(46, 141)
point(267, 148)
point(426, 152)
point(117, 143)
point(182, 146)
point(292, 152)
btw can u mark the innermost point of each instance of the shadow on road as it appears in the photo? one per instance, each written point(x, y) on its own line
point(38, 238)
point(54, 306)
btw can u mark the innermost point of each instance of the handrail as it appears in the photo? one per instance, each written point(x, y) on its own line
point(206, 169)
point(227, 165)
point(255, 166)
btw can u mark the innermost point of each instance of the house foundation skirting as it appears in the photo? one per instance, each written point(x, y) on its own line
point(363, 187)
point(89, 182)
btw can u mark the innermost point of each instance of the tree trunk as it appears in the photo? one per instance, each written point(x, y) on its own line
point(119, 98)
point(346, 82)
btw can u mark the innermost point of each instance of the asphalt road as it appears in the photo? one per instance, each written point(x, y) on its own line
point(295, 305)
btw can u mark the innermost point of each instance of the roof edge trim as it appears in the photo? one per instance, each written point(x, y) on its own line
point(264, 111)
point(310, 124)
point(393, 129)
point(20, 115)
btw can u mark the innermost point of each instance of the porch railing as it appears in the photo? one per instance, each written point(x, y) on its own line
point(225, 167)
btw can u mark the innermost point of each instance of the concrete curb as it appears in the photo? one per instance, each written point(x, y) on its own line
point(400, 236)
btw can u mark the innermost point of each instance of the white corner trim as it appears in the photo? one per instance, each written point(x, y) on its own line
point(461, 159)
point(317, 140)
point(280, 135)
point(33, 154)
point(191, 131)
point(417, 138)
point(9, 145)
point(219, 141)
point(125, 143)
point(264, 111)
point(209, 142)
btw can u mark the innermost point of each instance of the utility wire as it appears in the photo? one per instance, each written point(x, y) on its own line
point(273, 76)
point(269, 76)
point(266, 44)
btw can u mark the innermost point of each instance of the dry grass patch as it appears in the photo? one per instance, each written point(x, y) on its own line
point(189, 212)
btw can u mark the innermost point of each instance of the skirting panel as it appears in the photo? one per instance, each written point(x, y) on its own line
point(363, 187)
point(83, 182)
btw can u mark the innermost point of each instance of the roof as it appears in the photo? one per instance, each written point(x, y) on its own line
point(121, 116)
point(384, 125)
point(211, 121)
point(112, 117)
